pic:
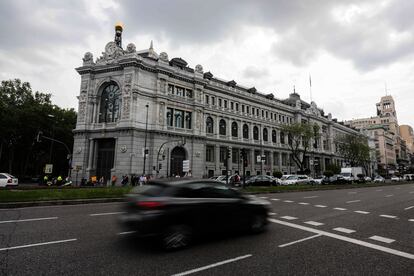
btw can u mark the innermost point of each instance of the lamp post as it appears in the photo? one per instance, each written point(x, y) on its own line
point(145, 140)
point(51, 116)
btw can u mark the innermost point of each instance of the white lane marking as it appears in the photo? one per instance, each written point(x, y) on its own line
point(212, 265)
point(303, 203)
point(36, 244)
point(408, 208)
point(397, 188)
point(380, 190)
point(352, 201)
point(272, 214)
point(25, 220)
point(340, 209)
point(381, 239)
point(310, 196)
point(275, 199)
point(126, 233)
point(361, 212)
point(389, 195)
point(388, 216)
point(347, 239)
point(344, 230)
point(106, 214)
point(288, 218)
point(301, 240)
point(63, 206)
point(314, 223)
point(288, 201)
point(320, 206)
point(264, 197)
point(411, 220)
point(412, 192)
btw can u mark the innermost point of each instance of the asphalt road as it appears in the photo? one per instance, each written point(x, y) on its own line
point(365, 231)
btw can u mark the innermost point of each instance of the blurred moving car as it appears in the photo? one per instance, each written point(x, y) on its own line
point(335, 179)
point(379, 179)
point(261, 180)
point(176, 210)
point(395, 178)
point(317, 179)
point(295, 179)
point(8, 180)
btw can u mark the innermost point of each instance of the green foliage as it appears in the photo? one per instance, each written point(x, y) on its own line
point(336, 169)
point(277, 174)
point(23, 113)
point(300, 137)
point(354, 149)
point(328, 173)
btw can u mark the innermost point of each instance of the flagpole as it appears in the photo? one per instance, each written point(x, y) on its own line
point(310, 87)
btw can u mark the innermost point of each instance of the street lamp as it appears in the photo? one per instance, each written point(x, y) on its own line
point(145, 140)
point(51, 116)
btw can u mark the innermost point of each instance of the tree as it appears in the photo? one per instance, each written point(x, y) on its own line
point(23, 113)
point(300, 136)
point(354, 149)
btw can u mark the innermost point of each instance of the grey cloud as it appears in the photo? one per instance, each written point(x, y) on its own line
point(254, 72)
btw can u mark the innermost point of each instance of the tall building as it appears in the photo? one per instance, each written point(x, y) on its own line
point(390, 146)
point(141, 112)
point(407, 134)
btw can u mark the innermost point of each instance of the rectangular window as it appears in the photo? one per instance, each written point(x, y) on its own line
point(179, 118)
point(253, 110)
point(170, 115)
point(207, 99)
point(188, 120)
point(237, 107)
point(213, 101)
point(243, 108)
point(284, 159)
point(171, 89)
point(231, 105)
point(223, 152)
point(267, 115)
point(180, 91)
point(235, 156)
point(219, 102)
point(225, 103)
point(256, 155)
point(247, 109)
point(267, 157)
point(263, 114)
point(275, 159)
point(257, 112)
point(209, 153)
point(189, 93)
point(280, 118)
point(271, 116)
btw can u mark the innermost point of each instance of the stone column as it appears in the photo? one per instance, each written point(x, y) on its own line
point(217, 159)
point(91, 153)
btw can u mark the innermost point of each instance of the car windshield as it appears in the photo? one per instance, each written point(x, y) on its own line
point(292, 177)
point(346, 174)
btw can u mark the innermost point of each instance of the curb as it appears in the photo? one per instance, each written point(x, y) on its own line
point(12, 205)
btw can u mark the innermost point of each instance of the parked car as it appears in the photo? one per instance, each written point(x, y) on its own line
point(367, 179)
point(261, 180)
point(408, 177)
point(317, 179)
point(289, 179)
point(176, 210)
point(379, 179)
point(395, 178)
point(8, 180)
point(335, 179)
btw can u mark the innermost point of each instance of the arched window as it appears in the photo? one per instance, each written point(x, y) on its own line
point(265, 135)
point(110, 103)
point(255, 133)
point(209, 125)
point(222, 127)
point(234, 129)
point(245, 131)
point(273, 136)
point(282, 138)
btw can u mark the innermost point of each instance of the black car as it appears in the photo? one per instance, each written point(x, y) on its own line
point(176, 210)
point(335, 179)
point(261, 180)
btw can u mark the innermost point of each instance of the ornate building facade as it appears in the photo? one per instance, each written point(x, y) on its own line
point(141, 112)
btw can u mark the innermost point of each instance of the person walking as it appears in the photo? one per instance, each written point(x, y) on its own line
point(101, 181)
point(113, 180)
point(141, 180)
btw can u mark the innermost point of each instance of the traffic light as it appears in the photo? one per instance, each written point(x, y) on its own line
point(228, 153)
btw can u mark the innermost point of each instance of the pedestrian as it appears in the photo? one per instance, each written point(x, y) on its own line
point(141, 180)
point(45, 179)
point(59, 180)
point(113, 180)
point(125, 180)
point(101, 181)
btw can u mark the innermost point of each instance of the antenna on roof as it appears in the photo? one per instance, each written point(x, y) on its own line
point(151, 46)
point(310, 87)
point(386, 90)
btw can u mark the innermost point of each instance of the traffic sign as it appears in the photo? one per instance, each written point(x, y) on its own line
point(49, 168)
point(186, 165)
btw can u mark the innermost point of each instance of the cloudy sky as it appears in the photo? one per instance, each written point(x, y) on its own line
point(351, 49)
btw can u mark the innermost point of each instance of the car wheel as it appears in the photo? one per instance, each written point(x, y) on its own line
point(176, 237)
point(258, 223)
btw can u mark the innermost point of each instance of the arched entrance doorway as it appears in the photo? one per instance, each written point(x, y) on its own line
point(177, 157)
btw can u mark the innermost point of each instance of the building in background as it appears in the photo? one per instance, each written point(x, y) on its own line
point(141, 112)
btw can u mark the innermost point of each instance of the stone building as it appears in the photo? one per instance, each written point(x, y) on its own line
point(133, 100)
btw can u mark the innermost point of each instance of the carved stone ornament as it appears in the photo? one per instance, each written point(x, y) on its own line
point(111, 54)
point(199, 68)
point(131, 48)
point(78, 150)
point(123, 149)
point(82, 112)
point(88, 58)
point(164, 56)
